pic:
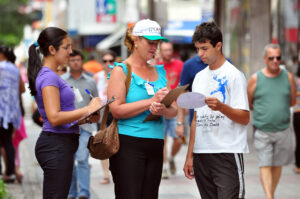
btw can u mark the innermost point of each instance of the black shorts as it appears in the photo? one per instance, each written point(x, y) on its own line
point(220, 175)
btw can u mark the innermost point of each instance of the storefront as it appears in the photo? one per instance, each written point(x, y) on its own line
point(248, 25)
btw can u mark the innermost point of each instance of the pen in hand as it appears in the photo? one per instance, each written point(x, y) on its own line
point(91, 96)
point(88, 92)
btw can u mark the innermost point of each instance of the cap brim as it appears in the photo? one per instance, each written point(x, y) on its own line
point(153, 38)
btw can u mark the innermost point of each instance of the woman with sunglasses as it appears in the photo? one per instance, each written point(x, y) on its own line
point(108, 58)
point(58, 141)
point(136, 168)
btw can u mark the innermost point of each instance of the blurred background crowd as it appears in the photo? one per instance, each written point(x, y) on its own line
point(98, 25)
point(97, 28)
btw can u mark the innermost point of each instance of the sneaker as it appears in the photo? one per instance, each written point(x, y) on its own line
point(172, 167)
point(165, 174)
point(9, 179)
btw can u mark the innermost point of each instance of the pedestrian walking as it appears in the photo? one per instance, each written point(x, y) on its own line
point(136, 168)
point(10, 111)
point(58, 141)
point(296, 123)
point(218, 135)
point(20, 133)
point(108, 58)
point(173, 69)
point(271, 93)
point(80, 82)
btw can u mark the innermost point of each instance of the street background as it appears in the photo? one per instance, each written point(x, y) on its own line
point(97, 25)
point(176, 187)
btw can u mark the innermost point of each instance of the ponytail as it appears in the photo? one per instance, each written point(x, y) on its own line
point(50, 36)
point(128, 39)
point(34, 66)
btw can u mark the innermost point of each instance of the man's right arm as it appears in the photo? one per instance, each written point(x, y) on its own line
point(251, 89)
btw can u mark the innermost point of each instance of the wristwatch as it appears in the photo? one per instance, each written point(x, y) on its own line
point(179, 123)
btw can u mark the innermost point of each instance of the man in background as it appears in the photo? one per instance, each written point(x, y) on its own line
point(80, 186)
point(173, 69)
point(271, 93)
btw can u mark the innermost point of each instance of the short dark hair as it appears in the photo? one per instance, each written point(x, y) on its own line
point(207, 31)
point(76, 52)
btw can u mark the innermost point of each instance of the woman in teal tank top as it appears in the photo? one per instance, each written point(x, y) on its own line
point(136, 168)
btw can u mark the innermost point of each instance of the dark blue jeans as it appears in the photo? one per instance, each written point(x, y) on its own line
point(55, 154)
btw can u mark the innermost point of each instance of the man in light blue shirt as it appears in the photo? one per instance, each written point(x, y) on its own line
point(80, 82)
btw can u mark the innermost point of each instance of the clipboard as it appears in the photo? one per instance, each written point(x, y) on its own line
point(87, 116)
point(167, 101)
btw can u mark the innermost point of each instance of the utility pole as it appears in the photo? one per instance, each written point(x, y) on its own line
point(151, 9)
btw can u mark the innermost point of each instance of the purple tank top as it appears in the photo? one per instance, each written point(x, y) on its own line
point(47, 77)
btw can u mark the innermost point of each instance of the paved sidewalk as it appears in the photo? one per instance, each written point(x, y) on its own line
point(31, 187)
point(176, 187)
point(179, 187)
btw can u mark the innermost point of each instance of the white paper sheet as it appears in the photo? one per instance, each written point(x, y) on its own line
point(191, 100)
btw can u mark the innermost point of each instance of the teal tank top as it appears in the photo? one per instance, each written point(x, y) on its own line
point(134, 126)
point(271, 102)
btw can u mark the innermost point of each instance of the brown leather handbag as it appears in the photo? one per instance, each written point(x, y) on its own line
point(106, 141)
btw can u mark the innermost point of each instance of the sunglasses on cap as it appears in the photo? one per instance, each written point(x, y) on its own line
point(108, 60)
point(272, 58)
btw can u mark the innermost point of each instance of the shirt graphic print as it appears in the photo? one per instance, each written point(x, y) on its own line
point(215, 132)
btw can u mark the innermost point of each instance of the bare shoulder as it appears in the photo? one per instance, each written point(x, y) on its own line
point(118, 72)
point(290, 75)
point(252, 79)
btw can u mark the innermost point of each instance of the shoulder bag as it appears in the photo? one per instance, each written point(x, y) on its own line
point(106, 142)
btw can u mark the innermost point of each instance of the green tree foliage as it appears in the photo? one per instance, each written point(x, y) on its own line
point(3, 193)
point(12, 22)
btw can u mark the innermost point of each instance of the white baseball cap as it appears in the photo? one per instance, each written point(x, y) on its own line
point(149, 29)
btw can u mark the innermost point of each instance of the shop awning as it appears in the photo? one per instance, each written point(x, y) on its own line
point(112, 40)
point(181, 31)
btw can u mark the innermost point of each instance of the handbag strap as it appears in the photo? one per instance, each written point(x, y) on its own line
point(106, 110)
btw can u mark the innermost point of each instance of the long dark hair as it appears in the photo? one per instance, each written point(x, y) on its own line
point(49, 36)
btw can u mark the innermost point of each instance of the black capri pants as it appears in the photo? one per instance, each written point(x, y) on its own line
point(136, 168)
point(55, 154)
point(6, 142)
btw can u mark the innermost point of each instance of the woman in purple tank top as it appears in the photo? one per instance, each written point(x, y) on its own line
point(58, 141)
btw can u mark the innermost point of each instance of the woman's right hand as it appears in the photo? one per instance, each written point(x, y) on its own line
point(160, 94)
point(94, 104)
